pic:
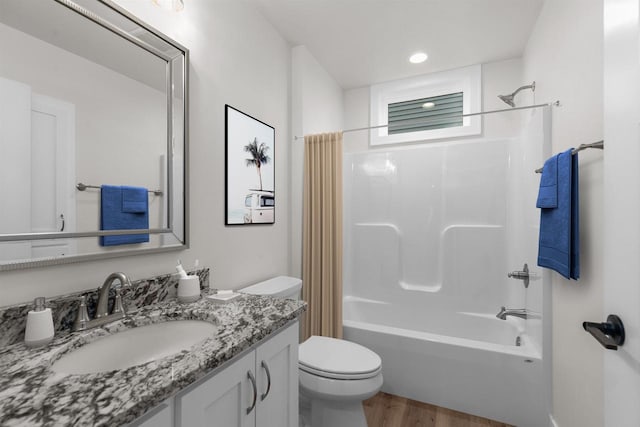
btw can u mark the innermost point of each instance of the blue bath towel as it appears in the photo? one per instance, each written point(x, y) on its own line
point(116, 214)
point(559, 245)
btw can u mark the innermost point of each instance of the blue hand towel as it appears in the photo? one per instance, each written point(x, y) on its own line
point(112, 217)
point(548, 193)
point(559, 245)
point(135, 199)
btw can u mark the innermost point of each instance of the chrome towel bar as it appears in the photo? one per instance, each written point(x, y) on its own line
point(599, 145)
point(81, 187)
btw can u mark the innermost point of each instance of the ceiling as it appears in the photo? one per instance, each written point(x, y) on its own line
point(360, 42)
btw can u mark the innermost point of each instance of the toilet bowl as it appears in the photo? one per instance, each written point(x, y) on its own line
point(335, 376)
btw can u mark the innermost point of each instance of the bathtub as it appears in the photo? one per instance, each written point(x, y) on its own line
point(464, 361)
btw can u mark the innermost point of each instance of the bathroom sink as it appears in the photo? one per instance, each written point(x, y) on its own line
point(134, 346)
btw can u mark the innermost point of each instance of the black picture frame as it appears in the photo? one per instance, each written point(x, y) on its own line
point(249, 169)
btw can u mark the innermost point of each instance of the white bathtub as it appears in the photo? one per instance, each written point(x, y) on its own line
point(463, 361)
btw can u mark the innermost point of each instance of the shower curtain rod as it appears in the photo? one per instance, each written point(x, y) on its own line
point(527, 107)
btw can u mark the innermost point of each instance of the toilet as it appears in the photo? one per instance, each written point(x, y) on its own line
point(335, 375)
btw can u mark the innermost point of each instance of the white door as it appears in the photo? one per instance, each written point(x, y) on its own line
point(222, 400)
point(52, 174)
point(277, 374)
point(622, 207)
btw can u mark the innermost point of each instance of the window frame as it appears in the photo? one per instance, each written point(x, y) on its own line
point(467, 80)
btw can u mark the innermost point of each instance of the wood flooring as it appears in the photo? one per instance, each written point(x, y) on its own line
point(387, 410)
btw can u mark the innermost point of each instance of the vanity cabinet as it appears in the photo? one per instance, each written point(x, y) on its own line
point(160, 416)
point(260, 389)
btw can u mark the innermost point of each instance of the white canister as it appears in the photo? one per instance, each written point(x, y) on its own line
point(189, 289)
point(39, 331)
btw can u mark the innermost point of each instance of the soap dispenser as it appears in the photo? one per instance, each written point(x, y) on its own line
point(39, 330)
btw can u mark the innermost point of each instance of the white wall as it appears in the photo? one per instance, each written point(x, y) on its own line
point(316, 107)
point(236, 58)
point(564, 56)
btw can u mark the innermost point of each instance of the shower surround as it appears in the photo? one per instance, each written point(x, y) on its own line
point(431, 232)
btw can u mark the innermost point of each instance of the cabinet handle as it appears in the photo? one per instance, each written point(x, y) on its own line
point(266, 369)
point(255, 392)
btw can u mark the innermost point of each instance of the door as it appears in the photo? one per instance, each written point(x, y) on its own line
point(622, 207)
point(221, 400)
point(40, 131)
point(277, 374)
point(52, 174)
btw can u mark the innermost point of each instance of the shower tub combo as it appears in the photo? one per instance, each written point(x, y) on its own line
point(430, 234)
point(464, 361)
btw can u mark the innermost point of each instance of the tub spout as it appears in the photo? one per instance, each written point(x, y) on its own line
point(519, 312)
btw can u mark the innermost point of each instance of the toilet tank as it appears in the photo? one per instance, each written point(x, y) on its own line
point(277, 287)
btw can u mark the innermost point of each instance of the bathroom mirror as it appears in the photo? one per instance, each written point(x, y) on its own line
point(89, 96)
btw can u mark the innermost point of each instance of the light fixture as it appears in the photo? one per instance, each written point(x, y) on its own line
point(175, 5)
point(428, 105)
point(418, 58)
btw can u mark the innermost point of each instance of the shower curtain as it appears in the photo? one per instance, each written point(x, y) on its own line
point(322, 235)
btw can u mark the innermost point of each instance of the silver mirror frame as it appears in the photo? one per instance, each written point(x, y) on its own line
point(102, 21)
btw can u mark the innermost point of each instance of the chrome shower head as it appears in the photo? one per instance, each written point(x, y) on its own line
point(508, 99)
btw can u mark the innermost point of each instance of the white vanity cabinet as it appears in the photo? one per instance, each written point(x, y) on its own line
point(160, 416)
point(258, 390)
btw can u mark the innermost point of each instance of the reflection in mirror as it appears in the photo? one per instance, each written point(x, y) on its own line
point(88, 95)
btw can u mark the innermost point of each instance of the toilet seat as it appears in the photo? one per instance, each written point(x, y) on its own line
point(337, 359)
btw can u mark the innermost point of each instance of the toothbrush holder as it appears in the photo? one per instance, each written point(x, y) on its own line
point(189, 289)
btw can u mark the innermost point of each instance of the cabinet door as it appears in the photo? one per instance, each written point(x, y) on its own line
point(160, 416)
point(222, 400)
point(278, 391)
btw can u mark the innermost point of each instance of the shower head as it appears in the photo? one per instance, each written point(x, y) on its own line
point(508, 99)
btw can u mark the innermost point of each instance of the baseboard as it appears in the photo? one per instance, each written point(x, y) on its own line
point(552, 421)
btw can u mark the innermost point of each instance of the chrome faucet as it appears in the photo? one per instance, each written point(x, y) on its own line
point(103, 299)
point(518, 312)
point(102, 311)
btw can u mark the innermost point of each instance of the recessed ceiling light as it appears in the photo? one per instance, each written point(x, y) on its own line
point(428, 105)
point(176, 5)
point(418, 58)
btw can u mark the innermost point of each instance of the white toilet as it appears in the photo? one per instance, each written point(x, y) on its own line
point(335, 375)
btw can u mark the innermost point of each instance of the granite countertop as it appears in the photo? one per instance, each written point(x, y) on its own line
point(32, 394)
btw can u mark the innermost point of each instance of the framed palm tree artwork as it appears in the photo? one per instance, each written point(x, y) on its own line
point(250, 169)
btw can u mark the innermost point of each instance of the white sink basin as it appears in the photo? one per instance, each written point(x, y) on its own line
point(134, 346)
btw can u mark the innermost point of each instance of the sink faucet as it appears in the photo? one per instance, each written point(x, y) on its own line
point(518, 312)
point(103, 299)
point(83, 321)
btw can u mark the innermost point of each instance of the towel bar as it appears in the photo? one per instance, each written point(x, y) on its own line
point(81, 187)
point(599, 145)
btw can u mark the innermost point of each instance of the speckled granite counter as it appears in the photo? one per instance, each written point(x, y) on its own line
point(32, 394)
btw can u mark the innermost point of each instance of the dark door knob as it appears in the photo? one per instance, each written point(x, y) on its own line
point(610, 333)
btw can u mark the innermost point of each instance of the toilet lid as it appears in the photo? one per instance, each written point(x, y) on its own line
point(339, 359)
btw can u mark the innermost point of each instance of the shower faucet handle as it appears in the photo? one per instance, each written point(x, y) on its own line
point(521, 275)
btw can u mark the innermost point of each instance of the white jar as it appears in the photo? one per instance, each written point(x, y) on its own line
point(39, 331)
